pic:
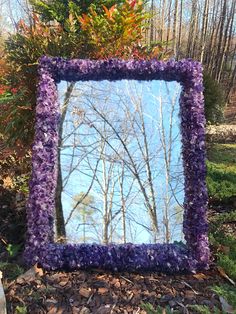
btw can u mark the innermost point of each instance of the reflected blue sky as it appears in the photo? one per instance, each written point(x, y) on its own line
point(101, 115)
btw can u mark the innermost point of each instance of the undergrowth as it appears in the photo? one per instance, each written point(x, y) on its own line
point(221, 172)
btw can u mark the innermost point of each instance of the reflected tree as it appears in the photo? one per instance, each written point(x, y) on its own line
point(124, 151)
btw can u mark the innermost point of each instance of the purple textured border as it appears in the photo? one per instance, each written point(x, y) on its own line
point(157, 257)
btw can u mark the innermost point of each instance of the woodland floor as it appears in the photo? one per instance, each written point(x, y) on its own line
point(101, 292)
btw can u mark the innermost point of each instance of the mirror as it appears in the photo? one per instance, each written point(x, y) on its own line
point(120, 177)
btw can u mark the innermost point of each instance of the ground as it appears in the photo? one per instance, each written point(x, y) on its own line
point(102, 292)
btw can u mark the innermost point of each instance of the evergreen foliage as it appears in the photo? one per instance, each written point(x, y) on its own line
point(214, 100)
point(60, 10)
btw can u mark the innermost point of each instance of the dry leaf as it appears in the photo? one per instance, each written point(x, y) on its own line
point(38, 270)
point(85, 292)
point(64, 282)
point(84, 310)
point(189, 294)
point(224, 249)
point(117, 284)
point(200, 276)
point(7, 182)
point(223, 274)
point(102, 290)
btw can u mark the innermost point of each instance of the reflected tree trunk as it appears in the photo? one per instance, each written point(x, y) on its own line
point(60, 221)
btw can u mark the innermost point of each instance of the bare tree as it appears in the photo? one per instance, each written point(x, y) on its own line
point(175, 25)
point(117, 153)
point(60, 221)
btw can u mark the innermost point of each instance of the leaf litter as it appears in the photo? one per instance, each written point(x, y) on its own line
point(95, 291)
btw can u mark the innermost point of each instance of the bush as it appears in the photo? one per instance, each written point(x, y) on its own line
point(214, 100)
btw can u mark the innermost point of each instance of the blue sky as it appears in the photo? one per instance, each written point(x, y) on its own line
point(116, 98)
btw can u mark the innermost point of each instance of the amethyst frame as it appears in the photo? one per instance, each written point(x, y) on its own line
point(170, 258)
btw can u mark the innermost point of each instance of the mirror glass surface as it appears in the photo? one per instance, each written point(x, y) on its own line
point(121, 171)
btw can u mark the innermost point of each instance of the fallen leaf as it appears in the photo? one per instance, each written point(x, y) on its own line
point(84, 310)
point(38, 270)
point(53, 310)
point(85, 292)
point(102, 290)
point(189, 294)
point(223, 274)
point(117, 284)
point(224, 249)
point(76, 310)
point(200, 276)
point(7, 182)
point(63, 283)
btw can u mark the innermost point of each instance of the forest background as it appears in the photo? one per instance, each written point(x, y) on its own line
point(202, 30)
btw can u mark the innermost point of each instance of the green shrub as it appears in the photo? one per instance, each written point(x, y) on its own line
point(214, 100)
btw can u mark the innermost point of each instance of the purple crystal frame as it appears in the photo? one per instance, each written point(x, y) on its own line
point(40, 247)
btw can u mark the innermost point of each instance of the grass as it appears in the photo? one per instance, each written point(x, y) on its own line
point(222, 153)
point(221, 172)
point(11, 270)
point(221, 182)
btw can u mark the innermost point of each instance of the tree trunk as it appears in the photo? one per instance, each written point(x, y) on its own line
point(174, 43)
point(60, 221)
point(122, 201)
point(168, 25)
point(221, 61)
point(192, 29)
point(180, 29)
point(162, 20)
point(221, 37)
point(152, 23)
point(204, 30)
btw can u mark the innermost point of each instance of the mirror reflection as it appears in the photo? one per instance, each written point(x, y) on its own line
point(120, 175)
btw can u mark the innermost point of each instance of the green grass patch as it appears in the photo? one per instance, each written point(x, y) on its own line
point(221, 171)
point(11, 270)
point(222, 153)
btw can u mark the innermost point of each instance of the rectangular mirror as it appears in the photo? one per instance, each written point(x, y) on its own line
point(119, 155)
point(121, 171)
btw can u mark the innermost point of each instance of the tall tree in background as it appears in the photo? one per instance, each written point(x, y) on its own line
point(201, 30)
